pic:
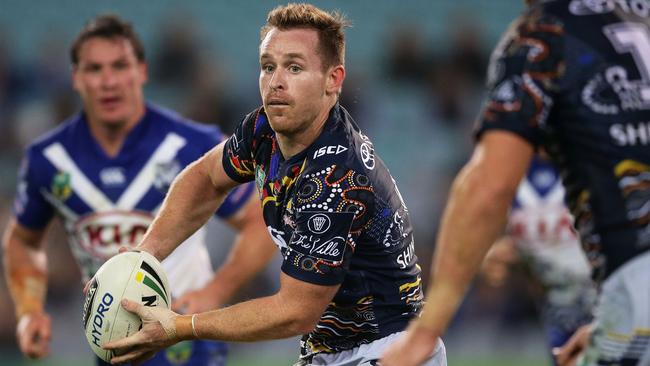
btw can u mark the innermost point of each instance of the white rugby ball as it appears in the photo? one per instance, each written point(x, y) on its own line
point(135, 275)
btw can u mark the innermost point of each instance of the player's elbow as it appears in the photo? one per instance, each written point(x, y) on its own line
point(304, 323)
point(298, 319)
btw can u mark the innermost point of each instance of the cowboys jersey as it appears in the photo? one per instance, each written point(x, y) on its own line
point(585, 97)
point(336, 214)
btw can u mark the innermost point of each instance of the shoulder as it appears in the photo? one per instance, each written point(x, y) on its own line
point(62, 133)
point(344, 145)
point(185, 127)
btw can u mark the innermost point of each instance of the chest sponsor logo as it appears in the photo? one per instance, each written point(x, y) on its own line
point(103, 233)
point(112, 176)
point(544, 226)
point(61, 186)
point(319, 223)
point(367, 152)
point(367, 156)
point(329, 150)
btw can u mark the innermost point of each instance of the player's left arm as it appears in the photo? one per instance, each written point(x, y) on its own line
point(252, 249)
point(474, 218)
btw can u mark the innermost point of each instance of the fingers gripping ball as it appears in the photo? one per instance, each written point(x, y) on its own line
point(137, 276)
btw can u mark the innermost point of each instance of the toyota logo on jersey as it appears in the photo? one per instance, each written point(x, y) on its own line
point(102, 234)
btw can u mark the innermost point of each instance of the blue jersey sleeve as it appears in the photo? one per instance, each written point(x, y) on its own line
point(30, 207)
point(235, 200)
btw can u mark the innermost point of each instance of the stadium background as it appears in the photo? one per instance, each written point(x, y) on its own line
point(415, 81)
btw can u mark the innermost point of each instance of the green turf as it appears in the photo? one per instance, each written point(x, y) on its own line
point(256, 361)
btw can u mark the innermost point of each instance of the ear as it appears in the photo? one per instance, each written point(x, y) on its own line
point(74, 77)
point(143, 68)
point(335, 77)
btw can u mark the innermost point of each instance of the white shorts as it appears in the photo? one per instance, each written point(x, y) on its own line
point(368, 354)
point(622, 319)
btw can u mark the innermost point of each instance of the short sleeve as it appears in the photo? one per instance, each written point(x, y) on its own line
point(332, 207)
point(523, 77)
point(238, 158)
point(30, 207)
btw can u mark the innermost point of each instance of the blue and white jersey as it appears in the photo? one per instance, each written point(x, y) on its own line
point(107, 202)
point(543, 231)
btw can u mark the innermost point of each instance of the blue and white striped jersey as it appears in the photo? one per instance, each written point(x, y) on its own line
point(107, 202)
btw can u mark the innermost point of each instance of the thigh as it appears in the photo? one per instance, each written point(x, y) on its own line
point(622, 318)
point(369, 354)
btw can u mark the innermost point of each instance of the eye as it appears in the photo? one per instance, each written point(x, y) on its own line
point(92, 68)
point(268, 68)
point(121, 65)
point(294, 69)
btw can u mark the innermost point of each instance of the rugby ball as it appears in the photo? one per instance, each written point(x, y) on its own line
point(135, 275)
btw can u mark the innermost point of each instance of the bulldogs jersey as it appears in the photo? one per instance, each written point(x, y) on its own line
point(336, 214)
point(574, 76)
point(542, 229)
point(107, 202)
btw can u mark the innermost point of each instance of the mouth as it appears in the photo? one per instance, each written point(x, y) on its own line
point(110, 102)
point(276, 102)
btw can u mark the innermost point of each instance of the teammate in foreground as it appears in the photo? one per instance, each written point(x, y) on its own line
point(540, 235)
point(350, 281)
point(572, 76)
point(105, 172)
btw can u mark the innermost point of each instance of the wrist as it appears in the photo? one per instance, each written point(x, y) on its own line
point(186, 327)
point(28, 292)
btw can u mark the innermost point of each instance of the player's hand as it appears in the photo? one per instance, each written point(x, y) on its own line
point(33, 332)
point(568, 354)
point(412, 348)
point(197, 301)
point(158, 332)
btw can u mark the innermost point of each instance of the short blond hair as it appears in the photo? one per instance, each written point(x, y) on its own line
point(329, 26)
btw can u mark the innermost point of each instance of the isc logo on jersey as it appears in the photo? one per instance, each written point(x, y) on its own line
point(103, 233)
point(329, 150)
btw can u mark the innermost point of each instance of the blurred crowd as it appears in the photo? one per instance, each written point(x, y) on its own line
point(417, 102)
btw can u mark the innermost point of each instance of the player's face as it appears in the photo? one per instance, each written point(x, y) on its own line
point(110, 78)
point(292, 81)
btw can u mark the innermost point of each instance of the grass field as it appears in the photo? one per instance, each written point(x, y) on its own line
point(453, 361)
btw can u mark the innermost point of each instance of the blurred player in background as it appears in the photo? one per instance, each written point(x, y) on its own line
point(105, 172)
point(574, 77)
point(540, 234)
point(350, 280)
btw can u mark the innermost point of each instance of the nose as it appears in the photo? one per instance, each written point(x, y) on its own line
point(277, 82)
point(108, 79)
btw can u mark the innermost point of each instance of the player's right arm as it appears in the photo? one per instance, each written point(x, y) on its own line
point(192, 199)
point(25, 266)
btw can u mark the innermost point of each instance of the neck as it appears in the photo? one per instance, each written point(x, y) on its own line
point(111, 136)
point(293, 144)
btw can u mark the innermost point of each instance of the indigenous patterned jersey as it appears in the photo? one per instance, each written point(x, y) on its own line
point(543, 232)
point(107, 202)
point(336, 214)
point(574, 76)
